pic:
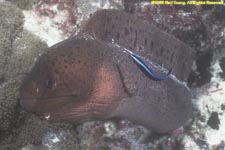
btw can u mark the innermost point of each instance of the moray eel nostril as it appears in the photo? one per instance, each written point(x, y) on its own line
point(89, 77)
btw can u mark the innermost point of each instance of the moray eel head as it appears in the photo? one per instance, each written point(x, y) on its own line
point(71, 82)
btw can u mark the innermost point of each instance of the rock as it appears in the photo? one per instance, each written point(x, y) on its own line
point(202, 74)
point(223, 106)
point(222, 65)
point(214, 121)
point(34, 134)
point(23, 4)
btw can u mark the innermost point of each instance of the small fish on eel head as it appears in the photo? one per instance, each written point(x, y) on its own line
point(82, 78)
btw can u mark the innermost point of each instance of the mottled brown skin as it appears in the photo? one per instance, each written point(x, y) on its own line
point(83, 79)
point(141, 37)
point(73, 81)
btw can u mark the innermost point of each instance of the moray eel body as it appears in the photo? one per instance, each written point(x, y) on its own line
point(89, 77)
point(130, 32)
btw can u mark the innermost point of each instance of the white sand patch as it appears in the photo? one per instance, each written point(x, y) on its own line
point(189, 144)
point(87, 7)
point(44, 27)
point(100, 4)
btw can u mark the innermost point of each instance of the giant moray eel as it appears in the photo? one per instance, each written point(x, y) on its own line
point(91, 76)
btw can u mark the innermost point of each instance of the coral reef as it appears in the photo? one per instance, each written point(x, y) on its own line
point(18, 49)
point(68, 15)
point(18, 59)
point(54, 9)
point(10, 26)
point(23, 4)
